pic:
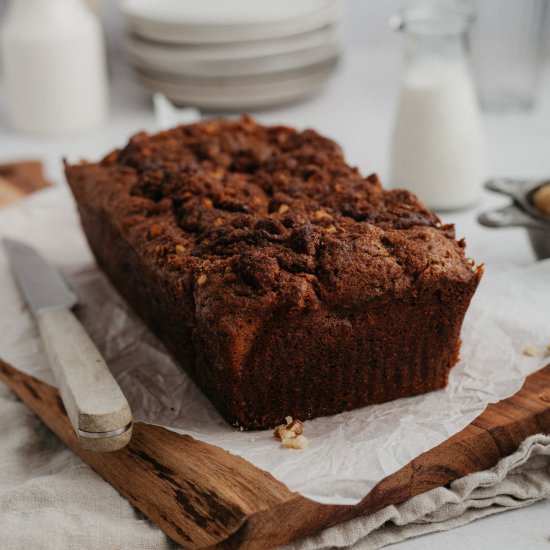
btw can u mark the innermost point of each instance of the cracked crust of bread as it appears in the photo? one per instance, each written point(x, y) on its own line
point(244, 222)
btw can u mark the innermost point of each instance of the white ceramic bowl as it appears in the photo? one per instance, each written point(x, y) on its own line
point(219, 21)
point(240, 94)
point(236, 59)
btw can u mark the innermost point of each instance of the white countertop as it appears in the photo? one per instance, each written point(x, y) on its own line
point(356, 109)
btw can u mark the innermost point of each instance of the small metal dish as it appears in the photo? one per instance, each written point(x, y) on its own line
point(520, 213)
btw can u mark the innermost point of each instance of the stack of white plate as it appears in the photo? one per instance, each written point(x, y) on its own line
point(232, 54)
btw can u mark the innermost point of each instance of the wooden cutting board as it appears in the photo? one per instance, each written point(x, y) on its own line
point(19, 179)
point(204, 497)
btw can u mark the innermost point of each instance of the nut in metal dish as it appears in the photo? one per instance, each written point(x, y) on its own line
point(522, 212)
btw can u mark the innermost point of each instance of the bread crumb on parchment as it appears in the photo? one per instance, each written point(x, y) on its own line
point(531, 351)
point(534, 351)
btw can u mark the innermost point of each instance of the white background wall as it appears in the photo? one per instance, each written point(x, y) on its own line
point(366, 21)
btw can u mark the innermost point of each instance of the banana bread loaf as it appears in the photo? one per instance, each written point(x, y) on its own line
point(283, 281)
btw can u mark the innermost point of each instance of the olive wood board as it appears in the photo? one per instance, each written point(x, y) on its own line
point(204, 497)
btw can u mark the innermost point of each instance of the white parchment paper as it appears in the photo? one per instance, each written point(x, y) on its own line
point(348, 453)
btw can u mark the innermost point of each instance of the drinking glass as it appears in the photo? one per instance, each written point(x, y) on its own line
point(506, 42)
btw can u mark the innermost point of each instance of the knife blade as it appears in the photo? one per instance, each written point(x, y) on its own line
point(95, 404)
point(40, 283)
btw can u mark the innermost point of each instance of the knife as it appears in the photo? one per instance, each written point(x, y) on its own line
point(95, 404)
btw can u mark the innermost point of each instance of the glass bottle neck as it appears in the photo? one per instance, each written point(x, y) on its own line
point(435, 48)
point(435, 32)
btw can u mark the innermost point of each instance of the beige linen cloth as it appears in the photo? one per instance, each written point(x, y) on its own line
point(50, 499)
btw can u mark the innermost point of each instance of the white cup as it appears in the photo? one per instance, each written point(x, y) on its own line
point(53, 59)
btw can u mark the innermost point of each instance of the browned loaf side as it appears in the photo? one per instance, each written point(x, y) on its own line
point(283, 281)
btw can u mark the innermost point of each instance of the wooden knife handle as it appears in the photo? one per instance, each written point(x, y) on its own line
point(95, 404)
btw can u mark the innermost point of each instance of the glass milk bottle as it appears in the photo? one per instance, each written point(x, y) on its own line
point(437, 145)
